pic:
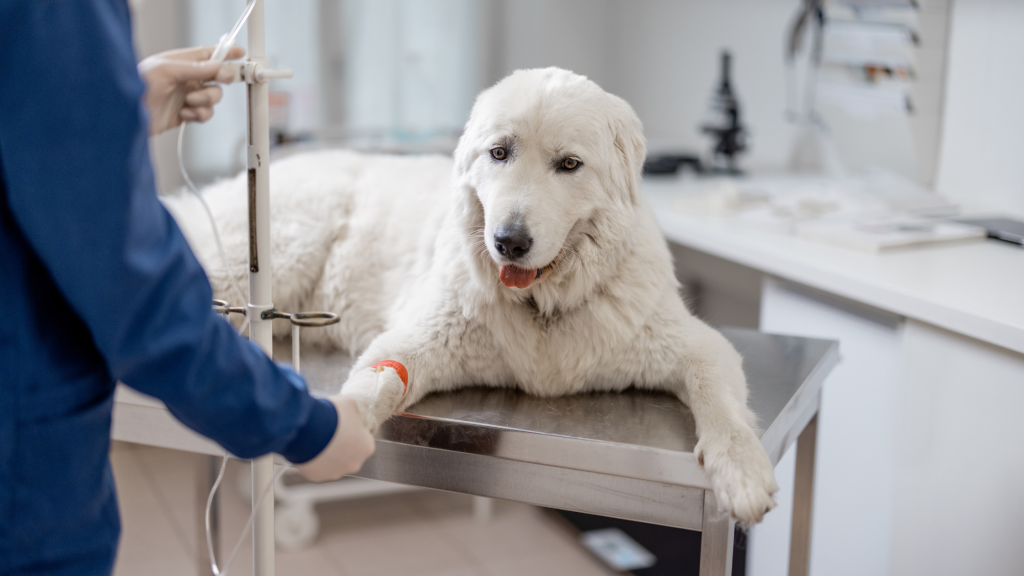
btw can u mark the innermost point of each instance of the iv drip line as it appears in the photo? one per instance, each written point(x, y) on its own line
point(213, 223)
point(219, 53)
point(238, 292)
point(248, 524)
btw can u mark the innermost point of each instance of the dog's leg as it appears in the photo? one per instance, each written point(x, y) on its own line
point(715, 389)
point(440, 352)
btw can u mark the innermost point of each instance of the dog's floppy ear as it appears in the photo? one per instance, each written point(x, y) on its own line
point(468, 148)
point(630, 145)
point(466, 151)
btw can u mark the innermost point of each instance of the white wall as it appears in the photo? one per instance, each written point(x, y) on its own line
point(218, 145)
point(667, 65)
point(981, 162)
point(293, 42)
point(662, 56)
point(217, 148)
point(579, 35)
point(928, 90)
point(412, 66)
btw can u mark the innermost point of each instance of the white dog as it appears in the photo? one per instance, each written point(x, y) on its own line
point(533, 261)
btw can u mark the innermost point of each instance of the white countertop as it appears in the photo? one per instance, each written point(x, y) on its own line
point(975, 289)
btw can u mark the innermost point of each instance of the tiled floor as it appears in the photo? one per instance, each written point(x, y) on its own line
point(421, 533)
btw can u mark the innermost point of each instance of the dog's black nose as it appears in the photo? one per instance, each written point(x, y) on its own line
point(512, 242)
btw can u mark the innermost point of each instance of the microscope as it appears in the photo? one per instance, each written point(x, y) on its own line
point(728, 133)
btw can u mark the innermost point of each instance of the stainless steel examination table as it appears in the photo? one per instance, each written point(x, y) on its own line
point(627, 455)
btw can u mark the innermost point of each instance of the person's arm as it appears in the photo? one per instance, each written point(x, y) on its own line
point(75, 159)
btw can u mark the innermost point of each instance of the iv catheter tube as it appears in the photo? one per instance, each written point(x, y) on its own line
point(260, 299)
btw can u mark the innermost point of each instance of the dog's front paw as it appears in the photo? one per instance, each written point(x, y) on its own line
point(377, 391)
point(741, 475)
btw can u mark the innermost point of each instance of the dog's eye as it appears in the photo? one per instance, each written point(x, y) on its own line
point(570, 164)
point(499, 153)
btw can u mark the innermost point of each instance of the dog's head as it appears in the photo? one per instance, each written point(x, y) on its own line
point(550, 164)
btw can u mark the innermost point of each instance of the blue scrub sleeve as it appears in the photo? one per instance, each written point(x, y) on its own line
point(74, 147)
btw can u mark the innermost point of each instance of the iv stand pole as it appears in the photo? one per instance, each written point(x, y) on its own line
point(257, 76)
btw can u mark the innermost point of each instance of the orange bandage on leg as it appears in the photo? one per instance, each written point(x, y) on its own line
point(398, 367)
point(377, 391)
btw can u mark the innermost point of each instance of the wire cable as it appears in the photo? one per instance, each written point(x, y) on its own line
point(213, 223)
point(248, 524)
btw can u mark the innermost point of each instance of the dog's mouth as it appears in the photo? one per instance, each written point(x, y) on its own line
point(515, 277)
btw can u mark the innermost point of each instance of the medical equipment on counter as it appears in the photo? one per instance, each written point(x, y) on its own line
point(811, 13)
point(259, 312)
point(1003, 229)
point(812, 150)
point(859, 84)
point(727, 130)
point(672, 164)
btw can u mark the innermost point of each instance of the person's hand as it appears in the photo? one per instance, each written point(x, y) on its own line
point(176, 89)
point(350, 446)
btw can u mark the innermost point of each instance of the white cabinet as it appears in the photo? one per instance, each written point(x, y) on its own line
point(856, 451)
point(920, 455)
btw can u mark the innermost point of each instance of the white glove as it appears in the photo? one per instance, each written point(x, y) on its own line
point(350, 446)
point(368, 398)
point(176, 89)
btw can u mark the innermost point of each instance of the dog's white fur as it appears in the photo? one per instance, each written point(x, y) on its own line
point(402, 248)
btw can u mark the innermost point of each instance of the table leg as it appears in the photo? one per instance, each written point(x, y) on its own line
point(716, 539)
point(483, 509)
point(803, 501)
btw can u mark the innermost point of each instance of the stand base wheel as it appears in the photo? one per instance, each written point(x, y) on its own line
point(296, 526)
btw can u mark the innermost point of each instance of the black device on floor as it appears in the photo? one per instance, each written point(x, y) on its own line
point(677, 550)
point(999, 228)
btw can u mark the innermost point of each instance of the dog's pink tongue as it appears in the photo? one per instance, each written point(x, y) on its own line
point(518, 277)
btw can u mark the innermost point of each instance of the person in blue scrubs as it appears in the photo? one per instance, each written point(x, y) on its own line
point(98, 285)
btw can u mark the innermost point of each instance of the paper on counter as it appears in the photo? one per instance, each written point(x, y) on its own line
point(875, 212)
point(879, 236)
